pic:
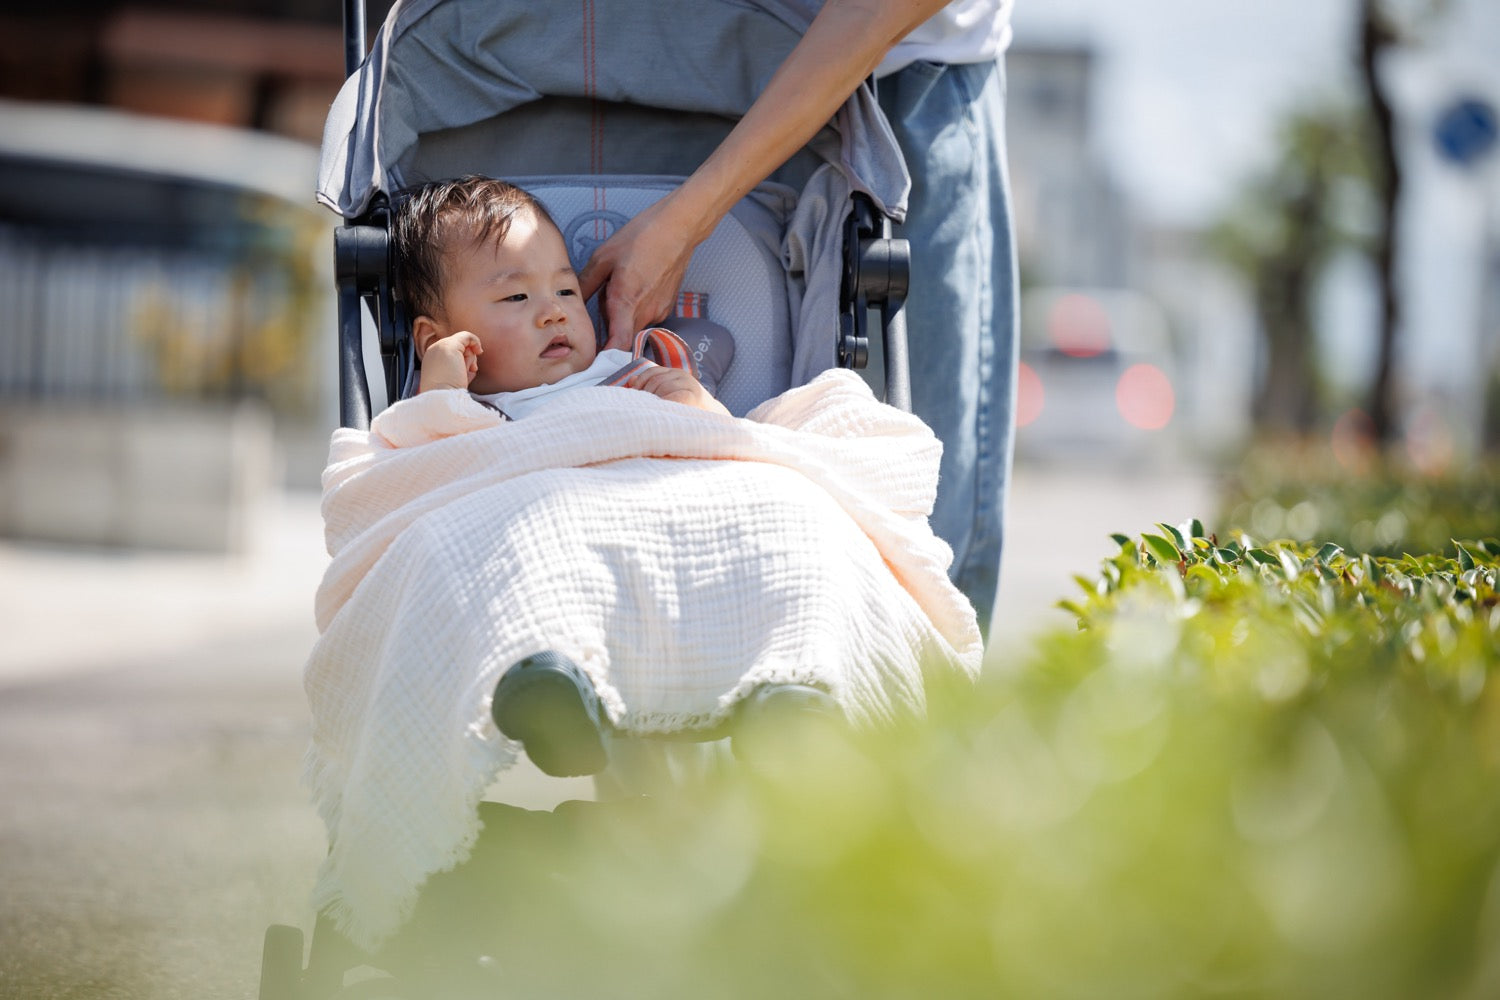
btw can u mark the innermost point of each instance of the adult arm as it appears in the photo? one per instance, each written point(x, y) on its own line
point(642, 265)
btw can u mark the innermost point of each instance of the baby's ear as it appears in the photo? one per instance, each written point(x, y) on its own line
point(424, 331)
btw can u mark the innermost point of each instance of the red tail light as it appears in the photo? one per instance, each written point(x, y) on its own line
point(1144, 397)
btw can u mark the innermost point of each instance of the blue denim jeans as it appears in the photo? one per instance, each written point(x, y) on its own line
point(962, 306)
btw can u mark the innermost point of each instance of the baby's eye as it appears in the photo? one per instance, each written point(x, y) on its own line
point(518, 297)
point(567, 291)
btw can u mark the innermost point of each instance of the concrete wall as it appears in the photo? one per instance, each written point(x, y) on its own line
point(166, 476)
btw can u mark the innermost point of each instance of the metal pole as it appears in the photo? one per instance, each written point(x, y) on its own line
point(354, 384)
point(897, 358)
point(354, 35)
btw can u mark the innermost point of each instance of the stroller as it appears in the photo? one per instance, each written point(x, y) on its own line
point(599, 109)
point(598, 132)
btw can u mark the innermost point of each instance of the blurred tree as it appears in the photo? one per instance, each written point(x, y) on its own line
point(1385, 25)
point(1377, 34)
point(1290, 222)
point(1293, 220)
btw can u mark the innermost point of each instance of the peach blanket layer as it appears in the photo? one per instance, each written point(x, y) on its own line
point(680, 557)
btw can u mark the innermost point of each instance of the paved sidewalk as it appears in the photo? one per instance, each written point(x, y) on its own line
point(66, 610)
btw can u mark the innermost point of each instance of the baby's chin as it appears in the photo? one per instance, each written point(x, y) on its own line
point(578, 361)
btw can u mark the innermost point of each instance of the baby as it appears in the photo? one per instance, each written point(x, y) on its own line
point(498, 313)
point(497, 309)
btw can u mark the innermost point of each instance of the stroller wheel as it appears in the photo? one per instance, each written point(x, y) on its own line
point(281, 964)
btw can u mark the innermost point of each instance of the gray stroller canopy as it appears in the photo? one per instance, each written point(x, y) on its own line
point(607, 86)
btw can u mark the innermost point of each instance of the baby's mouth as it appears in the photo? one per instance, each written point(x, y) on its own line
point(558, 348)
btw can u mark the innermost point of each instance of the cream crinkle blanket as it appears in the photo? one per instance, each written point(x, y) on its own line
point(679, 557)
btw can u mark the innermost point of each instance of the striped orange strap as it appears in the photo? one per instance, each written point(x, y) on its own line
point(692, 305)
point(656, 346)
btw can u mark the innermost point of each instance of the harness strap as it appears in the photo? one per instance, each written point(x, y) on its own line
point(656, 346)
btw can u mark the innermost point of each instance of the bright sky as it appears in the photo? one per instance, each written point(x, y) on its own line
point(1189, 90)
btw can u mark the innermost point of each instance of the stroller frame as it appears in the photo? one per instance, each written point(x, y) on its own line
point(875, 277)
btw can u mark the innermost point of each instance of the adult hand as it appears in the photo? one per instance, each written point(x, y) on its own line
point(641, 266)
point(640, 269)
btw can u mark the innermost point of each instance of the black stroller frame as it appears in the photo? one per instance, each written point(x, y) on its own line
point(875, 277)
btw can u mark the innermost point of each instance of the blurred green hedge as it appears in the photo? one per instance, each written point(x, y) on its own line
point(1255, 771)
point(1362, 502)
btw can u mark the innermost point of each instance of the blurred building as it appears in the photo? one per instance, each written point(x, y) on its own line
point(1135, 343)
point(271, 65)
point(1073, 225)
point(163, 269)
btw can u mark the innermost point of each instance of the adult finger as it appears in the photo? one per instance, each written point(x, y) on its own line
point(595, 273)
point(621, 321)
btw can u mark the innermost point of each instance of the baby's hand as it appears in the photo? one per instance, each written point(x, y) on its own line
point(676, 385)
point(450, 363)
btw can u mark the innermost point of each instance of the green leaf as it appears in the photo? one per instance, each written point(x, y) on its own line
point(1197, 528)
point(1164, 551)
point(1261, 556)
point(1177, 539)
point(1327, 552)
point(1204, 575)
point(1123, 541)
point(1072, 608)
point(1465, 560)
point(1290, 564)
point(1088, 585)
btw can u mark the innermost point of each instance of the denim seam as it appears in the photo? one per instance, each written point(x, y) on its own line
point(984, 484)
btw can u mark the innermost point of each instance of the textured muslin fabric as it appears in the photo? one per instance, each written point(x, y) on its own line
point(680, 557)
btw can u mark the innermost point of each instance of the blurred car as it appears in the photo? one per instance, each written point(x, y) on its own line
point(1096, 379)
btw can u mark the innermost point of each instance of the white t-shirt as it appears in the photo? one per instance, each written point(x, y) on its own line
point(965, 31)
point(518, 404)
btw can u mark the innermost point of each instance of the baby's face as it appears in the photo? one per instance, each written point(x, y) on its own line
point(520, 297)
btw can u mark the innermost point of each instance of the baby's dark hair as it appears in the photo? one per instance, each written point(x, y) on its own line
point(432, 218)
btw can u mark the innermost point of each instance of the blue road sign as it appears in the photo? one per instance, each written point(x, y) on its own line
point(1466, 131)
